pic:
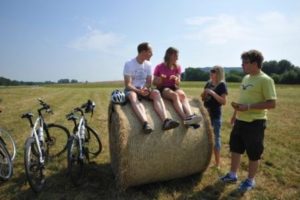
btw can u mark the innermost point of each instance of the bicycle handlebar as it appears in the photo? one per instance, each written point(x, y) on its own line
point(88, 107)
point(45, 106)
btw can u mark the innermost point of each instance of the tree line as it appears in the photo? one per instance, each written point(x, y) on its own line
point(282, 72)
point(7, 82)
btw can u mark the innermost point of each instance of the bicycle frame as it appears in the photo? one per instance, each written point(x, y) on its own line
point(80, 133)
point(38, 125)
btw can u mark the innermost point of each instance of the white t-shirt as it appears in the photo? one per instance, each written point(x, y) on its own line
point(138, 72)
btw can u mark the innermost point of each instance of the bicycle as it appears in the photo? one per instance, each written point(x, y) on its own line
point(6, 166)
point(84, 142)
point(7, 154)
point(39, 147)
point(9, 142)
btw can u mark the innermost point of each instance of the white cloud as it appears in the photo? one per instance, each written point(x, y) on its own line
point(216, 30)
point(96, 40)
point(198, 20)
point(225, 29)
point(221, 38)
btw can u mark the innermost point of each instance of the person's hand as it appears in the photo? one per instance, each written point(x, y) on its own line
point(161, 79)
point(175, 78)
point(209, 91)
point(163, 76)
point(239, 107)
point(145, 91)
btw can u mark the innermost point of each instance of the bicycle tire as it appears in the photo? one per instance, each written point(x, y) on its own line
point(9, 143)
point(57, 143)
point(33, 168)
point(6, 166)
point(93, 142)
point(75, 163)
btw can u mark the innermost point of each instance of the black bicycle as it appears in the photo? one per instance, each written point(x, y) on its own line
point(45, 141)
point(7, 154)
point(83, 144)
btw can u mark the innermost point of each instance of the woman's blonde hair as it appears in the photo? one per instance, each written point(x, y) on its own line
point(220, 73)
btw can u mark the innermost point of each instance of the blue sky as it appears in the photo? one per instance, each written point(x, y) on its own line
point(90, 40)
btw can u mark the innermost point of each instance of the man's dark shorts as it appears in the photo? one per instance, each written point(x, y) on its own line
point(140, 97)
point(248, 136)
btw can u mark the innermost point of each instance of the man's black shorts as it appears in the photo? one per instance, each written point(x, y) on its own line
point(248, 136)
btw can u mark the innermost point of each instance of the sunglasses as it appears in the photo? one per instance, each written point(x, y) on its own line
point(213, 71)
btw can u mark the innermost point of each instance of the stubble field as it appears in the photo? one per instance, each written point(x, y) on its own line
point(278, 176)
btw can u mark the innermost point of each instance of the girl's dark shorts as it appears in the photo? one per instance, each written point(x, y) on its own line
point(173, 88)
point(248, 136)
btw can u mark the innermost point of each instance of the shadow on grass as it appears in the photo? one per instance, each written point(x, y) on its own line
point(98, 183)
point(153, 190)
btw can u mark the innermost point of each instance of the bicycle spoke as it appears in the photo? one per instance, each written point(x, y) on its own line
point(58, 139)
point(93, 142)
point(5, 163)
point(33, 167)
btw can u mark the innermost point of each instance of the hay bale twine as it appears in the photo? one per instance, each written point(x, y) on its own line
point(138, 158)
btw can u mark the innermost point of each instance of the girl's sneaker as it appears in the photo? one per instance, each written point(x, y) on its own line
point(246, 185)
point(228, 179)
point(192, 119)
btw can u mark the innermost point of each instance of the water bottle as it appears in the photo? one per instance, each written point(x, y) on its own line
point(82, 132)
point(41, 134)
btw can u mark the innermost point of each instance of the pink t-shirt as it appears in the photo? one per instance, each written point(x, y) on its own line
point(162, 70)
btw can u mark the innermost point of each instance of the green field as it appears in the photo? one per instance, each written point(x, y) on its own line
point(278, 176)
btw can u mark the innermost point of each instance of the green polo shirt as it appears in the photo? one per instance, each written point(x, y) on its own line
point(255, 89)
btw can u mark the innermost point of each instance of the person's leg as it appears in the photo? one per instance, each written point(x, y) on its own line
point(255, 145)
point(216, 123)
point(190, 119)
point(235, 162)
point(159, 105)
point(237, 148)
point(137, 106)
point(173, 96)
point(253, 166)
point(184, 101)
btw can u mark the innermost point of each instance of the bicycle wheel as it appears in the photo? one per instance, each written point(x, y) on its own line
point(58, 139)
point(6, 168)
point(93, 142)
point(9, 143)
point(75, 163)
point(34, 169)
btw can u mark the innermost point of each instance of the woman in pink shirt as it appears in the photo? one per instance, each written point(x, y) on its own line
point(167, 79)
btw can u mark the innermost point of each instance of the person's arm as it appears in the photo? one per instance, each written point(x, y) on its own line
point(220, 98)
point(157, 81)
point(148, 82)
point(269, 104)
point(233, 118)
point(128, 84)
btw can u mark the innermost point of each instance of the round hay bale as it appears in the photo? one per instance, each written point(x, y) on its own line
point(138, 158)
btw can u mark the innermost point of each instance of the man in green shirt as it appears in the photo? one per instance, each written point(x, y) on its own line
point(257, 95)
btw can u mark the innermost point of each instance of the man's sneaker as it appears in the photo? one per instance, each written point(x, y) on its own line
point(192, 119)
point(195, 126)
point(246, 185)
point(228, 179)
point(147, 128)
point(169, 124)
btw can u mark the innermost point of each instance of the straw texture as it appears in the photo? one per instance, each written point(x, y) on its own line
point(138, 158)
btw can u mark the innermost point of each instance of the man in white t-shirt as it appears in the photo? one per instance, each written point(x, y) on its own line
point(138, 78)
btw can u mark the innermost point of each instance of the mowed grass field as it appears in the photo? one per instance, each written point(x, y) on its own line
point(278, 176)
